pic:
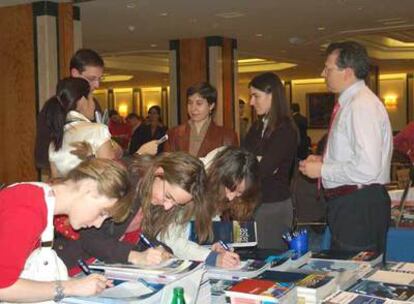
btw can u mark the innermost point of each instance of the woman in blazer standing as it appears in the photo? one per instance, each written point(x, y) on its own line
point(273, 138)
point(200, 134)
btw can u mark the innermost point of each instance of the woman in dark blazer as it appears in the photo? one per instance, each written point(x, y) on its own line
point(273, 138)
point(152, 129)
point(200, 134)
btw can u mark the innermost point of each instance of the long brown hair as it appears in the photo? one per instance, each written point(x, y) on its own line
point(227, 170)
point(187, 172)
point(279, 112)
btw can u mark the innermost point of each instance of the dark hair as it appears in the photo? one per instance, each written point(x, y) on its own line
point(85, 57)
point(68, 92)
point(156, 108)
point(241, 102)
point(351, 55)
point(133, 115)
point(228, 169)
point(279, 112)
point(112, 113)
point(206, 90)
point(295, 107)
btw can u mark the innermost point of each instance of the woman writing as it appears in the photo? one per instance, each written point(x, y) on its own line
point(273, 138)
point(169, 192)
point(91, 193)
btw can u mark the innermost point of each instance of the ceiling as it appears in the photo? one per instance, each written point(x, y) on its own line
point(133, 35)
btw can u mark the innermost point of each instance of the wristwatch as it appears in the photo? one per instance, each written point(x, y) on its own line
point(59, 295)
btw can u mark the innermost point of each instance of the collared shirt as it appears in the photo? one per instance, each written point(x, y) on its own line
point(359, 146)
point(196, 138)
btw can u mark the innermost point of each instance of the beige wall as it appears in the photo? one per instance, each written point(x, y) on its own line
point(395, 86)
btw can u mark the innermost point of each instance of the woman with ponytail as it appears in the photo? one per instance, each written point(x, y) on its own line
point(69, 119)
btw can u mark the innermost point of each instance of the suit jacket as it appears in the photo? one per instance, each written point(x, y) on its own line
point(216, 136)
point(143, 135)
point(304, 144)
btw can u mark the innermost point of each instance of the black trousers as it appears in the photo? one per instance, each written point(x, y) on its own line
point(359, 221)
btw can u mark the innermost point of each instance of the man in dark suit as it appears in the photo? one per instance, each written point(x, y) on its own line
point(302, 124)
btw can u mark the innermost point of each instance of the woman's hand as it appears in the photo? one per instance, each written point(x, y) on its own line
point(88, 286)
point(149, 148)
point(151, 256)
point(228, 259)
point(217, 247)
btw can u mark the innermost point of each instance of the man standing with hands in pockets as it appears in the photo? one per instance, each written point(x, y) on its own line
point(356, 161)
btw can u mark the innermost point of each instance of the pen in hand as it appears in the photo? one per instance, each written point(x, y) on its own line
point(84, 267)
point(224, 245)
point(146, 241)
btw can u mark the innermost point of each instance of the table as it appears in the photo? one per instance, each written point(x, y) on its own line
point(400, 244)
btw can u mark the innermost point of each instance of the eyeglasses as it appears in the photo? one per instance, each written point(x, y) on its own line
point(92, 78)
point(167, 197)
point(327, 70)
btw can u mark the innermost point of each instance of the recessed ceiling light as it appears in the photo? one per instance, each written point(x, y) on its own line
point(153, 45)
point(164, 14)
point(230, 15)
point(321, 28)
point(131, 28)
point(131, 5)
point(259, 35)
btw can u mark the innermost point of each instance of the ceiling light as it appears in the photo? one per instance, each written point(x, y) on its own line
point(321, 28)
point(296, 40)
point(131, 28)
point(259, 35)
point(250, 60)
point(164, 14)
point(131, 5)
point(113, 78)
point(230, 15)
point(153, 45)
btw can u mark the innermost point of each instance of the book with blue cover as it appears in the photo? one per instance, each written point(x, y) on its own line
point(234, 233)
point(384, 290)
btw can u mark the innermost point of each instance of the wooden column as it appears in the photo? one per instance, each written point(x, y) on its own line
point(211, 59)
point(37, 43)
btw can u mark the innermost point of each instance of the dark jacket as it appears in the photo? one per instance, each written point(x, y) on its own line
point(304, 141)
point(143, 135)
point(216, 136)
point(101, 243)
point(278, 152)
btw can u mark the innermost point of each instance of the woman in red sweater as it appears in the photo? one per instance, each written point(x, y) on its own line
point(92, 192)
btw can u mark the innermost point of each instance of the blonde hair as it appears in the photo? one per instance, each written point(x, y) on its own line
point(187, 172)
point(112, 181)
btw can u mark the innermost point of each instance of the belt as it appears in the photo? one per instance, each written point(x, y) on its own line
point(333, 193)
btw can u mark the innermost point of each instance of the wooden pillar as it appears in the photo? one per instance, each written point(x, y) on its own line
point(37, 43)
point(211, 59)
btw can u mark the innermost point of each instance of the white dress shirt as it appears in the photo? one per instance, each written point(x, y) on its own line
point(78, 128)
point(359, 146)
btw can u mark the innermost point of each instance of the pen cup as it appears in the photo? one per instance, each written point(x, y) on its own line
point(299, 244)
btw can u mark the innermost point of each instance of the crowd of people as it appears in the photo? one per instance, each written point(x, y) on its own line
point(112, 184)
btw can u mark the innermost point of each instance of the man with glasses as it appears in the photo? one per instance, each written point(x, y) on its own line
point(87, 64)
point(356, 162)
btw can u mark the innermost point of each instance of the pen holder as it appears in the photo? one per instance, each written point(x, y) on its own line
point(299, 244)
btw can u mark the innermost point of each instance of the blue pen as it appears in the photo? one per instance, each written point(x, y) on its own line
point(84, 267)
point(224, 245)
point(146, 241)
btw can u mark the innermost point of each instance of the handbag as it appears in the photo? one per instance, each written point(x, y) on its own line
point(43, 264)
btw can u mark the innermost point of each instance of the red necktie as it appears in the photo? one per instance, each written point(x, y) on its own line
point(331, 120)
